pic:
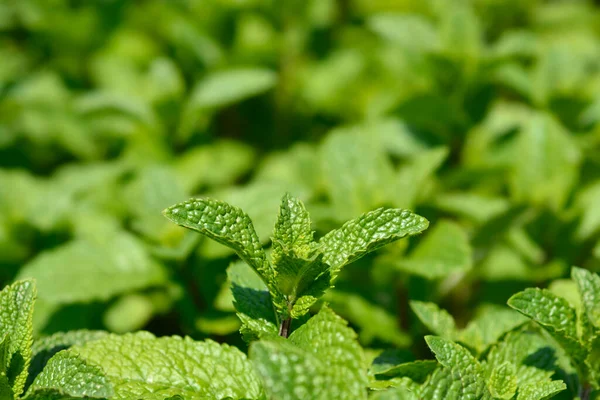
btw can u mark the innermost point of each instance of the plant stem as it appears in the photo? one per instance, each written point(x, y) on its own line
point(284, 327)
point(585, 392)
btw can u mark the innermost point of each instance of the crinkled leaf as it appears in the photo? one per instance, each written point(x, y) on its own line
point(443, 250)
point(592, 362)
point(100, 269)
point(437, 320)
point(252, 301)
point(503, 381)
point(368, 233)
point(67, 375)
point(540, 390)
point(43, 349)
point(226, 224)
point(321, 360)
point(394, 393)
point(292, 230)
point(554, 314)
point(16, 326)
point(142, 366)
point(589, 288)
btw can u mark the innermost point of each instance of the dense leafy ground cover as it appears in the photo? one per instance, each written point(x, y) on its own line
point(480, 116)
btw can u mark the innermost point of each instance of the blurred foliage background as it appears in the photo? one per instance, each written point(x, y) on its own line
point(481, 115)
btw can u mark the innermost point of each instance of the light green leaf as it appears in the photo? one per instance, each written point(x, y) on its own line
point(320, 360)
point(368, 233)
point(412, 32)
point(589, 288)
point(252, 302)
point(67, 375)
point(44, 349)
point(503, 381)
point(293, 228)
point(554, 314)
point(226, 87)
point(462, 375)
point(546, 163)
point(540, 390)
point(16, 322)
point(531, 353)
point(227, 225)
point(395, 393)
point(142, 366)
point(416, 371)
point(437, 320)
point(593, 362)
point(444, 250)
point(100, 270)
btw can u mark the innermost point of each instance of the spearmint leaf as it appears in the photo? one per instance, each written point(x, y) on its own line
point(416, 371)
point(16, 323)
point(461, 376)
point(101, 269)
point(226, 87)
point(437, 320)
point(592, 361)
point(444, 250)
point(540, 390)
point(252, 301)
point(227, 225)
point(368, 233)
point(503, 381)
point(67, 375)
point(320, 360)
point(292, 229)
point(395, 393)
point(142, 366)
point(531, 353)
point(554, 314)
point(589, 288)
point(43, 349)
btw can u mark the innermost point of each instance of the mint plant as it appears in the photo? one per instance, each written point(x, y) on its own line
point(300, 269)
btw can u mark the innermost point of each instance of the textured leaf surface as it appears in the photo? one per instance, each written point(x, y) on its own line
point(101, 269)
point(541, 390)
point(462, 376)
point(67, 374)
point(416, 371)
point(367, 233)
point(554, 314)
point(43, 349)
point(321, 360)
point(444, 250)
point(589, 288)
point(437, 320)
point(142, 366)
point(293, 228)
point(225, 224)
point(593, 362)
point(16, 325)
point(503, 381)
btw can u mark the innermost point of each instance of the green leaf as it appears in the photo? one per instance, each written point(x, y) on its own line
point(16, 325)
point(443, 250)
point(142, 366)
point(100, 270)
point(554, 314)
point(462, 375)
point(503, 381)
point(546, 163)
point(593, 362)
point(292, 230)
point(226, 87)
point(588, 284)
point(252, 301)
point(540, 390)
point(531, 353)
point(416, 371)
point(67, 375)
point(43, 349)
point(395, 393)
point(320, 360)
point(437, 320)
point(368, 233)
point(227, 225)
